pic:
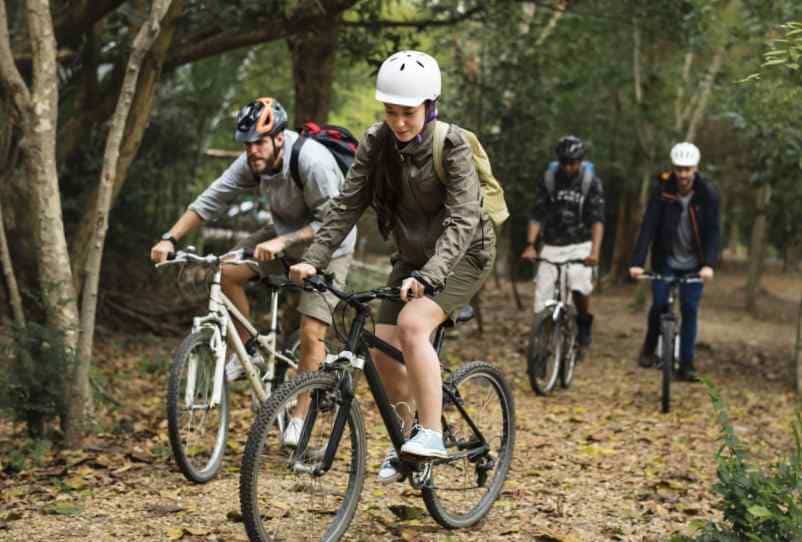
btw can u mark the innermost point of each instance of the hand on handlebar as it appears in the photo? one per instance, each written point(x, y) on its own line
point(706, 273)
point(161, 251)
point(269, 250)
point(635, 272)
point(301, 271)
point(529, 254)
point(411, 288)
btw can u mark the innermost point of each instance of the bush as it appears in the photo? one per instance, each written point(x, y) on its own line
point(32, 382)
point(759, 504)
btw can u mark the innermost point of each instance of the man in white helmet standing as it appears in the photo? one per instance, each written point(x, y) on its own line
point(682, 227)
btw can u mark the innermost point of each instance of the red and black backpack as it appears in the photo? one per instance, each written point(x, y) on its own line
point(339, 141)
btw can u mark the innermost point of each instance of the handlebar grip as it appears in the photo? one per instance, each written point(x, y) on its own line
point(247, 252)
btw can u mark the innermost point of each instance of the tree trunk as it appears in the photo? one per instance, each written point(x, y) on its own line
point(798, 352)
point(8, 273)
point(757, 252)
point(142, 104)
point(142, 44)
point(626, 228)
point(37, 110)
point(791, 256)
point(313, 66)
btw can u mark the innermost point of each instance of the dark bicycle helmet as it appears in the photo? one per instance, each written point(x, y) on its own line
point(570, 148)
point(260, 118)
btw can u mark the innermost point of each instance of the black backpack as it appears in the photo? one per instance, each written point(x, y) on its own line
point(339, 141)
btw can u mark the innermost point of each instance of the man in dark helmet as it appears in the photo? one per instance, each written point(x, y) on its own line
point(569, 216)
point(297, 208)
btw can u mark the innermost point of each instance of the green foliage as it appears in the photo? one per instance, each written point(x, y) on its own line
point(759, 504)
point(32, 383)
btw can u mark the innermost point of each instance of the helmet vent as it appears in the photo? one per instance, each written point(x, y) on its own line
point(420, 63)
point(403, 66)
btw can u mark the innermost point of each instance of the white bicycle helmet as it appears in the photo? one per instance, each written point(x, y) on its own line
point(685, 155)
point(408, 78)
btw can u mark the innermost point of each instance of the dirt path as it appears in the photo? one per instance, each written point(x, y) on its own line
point(595, 462)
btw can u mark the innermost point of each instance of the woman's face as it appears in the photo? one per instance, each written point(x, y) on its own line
point(405, 122)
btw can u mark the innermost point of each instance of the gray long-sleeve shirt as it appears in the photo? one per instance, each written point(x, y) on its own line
point(291, 207)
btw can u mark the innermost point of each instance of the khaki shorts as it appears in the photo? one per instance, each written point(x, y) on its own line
point(579, 277)
point(313, 304)
point(461, 285)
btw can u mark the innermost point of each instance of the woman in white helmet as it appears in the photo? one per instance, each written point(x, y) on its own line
point(445, 241)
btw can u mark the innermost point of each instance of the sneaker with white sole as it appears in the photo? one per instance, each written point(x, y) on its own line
point(292, 433)
point(387, 470)
point(235, 370)
point(425, 444)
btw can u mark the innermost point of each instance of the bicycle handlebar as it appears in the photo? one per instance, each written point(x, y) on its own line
point(687, 279)
point(323, 283)
point(578, 261)
point(233, 257)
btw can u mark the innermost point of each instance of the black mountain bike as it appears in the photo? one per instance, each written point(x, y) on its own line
point(311, 492)
point(668, 347)
point(553, 350)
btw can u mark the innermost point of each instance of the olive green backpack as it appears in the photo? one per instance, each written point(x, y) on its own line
point(492, 194)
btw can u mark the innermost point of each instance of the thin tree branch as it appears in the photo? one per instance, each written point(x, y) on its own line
point(420, 24)
point(196, 47)
point(10, 77)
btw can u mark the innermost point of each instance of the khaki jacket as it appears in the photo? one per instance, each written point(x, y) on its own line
point(436, 223)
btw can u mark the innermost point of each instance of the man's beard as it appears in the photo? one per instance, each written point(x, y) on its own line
point(258, 170)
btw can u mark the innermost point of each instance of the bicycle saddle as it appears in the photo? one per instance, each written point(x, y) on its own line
point(463, 315)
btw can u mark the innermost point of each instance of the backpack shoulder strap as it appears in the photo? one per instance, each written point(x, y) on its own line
point(438, 142)
point(548, 178)
point(294, 154)
point(587, 178)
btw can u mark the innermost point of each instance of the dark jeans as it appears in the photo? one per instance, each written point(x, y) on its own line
point(689, 297)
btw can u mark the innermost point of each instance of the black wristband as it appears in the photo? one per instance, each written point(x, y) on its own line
point(530, 243)
point(168, 237)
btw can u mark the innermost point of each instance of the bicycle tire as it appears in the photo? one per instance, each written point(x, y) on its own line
point(543, 353)
point(472, 380)
point(667, 359)
point(571, 350)
point(270, 488)
point(209, 450)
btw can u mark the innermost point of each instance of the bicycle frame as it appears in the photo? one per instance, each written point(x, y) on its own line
point(219, 321)
point(560, 298)
point(347, 361)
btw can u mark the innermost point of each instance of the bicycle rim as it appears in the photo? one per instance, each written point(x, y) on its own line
point(197, 430)
point(667, 358)
point(462, 489)
point(280, 499)
point(543, 356)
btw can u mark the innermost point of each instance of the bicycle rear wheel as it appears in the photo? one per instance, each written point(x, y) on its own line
point(197, 430)
point(281, 497)
point(463, 487)
point(667, 360)
point(544, 353)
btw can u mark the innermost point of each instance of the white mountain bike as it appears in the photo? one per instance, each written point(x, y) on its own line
point(197, 391)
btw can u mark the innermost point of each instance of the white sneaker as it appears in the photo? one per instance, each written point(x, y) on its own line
point(387, 471)
point(235, 370)
point(292, 433)
point(426, 444)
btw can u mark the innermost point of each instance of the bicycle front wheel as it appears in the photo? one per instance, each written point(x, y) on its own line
point(570, 353)
point(544, 353)
point(284, 495)
point(667, 360)
point(464, 487)
point(197, 429)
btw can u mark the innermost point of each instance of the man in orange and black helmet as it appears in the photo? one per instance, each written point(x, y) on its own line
point(297, 206)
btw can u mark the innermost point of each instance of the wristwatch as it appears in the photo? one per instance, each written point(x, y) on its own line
point(168, 237)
